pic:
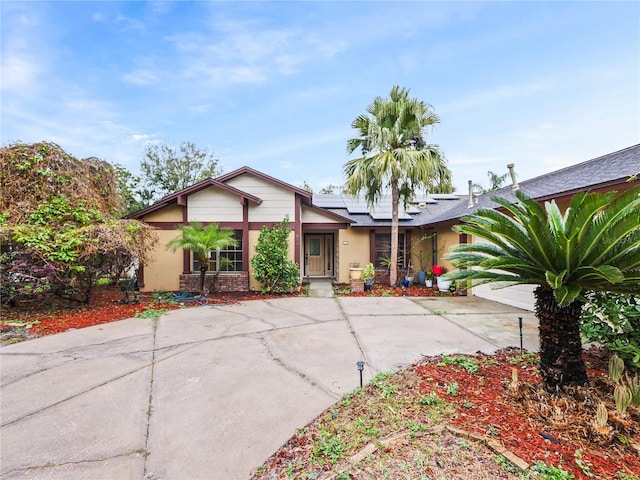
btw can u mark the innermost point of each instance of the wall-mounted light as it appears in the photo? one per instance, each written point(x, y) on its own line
point(345, 242)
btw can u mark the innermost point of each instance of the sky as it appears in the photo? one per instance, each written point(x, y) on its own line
point(275, 85)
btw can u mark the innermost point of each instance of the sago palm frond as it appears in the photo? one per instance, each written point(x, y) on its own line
point(594, 245)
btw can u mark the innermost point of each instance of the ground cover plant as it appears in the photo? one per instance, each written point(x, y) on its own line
point(466, 417)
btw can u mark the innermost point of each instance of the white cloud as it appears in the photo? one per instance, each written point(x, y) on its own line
point(19, 72)
point(128, 23)
point(140, 77)
point(493, 96)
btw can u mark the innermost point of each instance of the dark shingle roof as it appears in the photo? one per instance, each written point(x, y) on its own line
point(420, 211)
point(607, 170)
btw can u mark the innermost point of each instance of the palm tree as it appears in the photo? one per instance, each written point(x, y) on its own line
point(395, 156)
point(593, 246)
point(495, 182)
point(202, 241)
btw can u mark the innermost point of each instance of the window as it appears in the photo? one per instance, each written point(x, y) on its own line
point(434, 249)
point(383, 250)
point(233, 255)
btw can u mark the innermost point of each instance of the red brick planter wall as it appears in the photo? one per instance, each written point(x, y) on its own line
point(226, 282)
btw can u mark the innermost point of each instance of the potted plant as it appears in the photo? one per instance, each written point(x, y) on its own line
point(355, 272)
point(420, 256)
point(428, 278)
point(368, 272)
point(444, 284)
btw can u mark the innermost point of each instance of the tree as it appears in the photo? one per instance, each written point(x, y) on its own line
point(593, 246)
point(167, 169)
point(202, 241)
point(330, 189)
point(495, 182)
point(395, 156)
point(59, 224)
point(271, 264)
point(134, 196)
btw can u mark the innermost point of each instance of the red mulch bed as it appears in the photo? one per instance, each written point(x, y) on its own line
point(535, 425)
point(343, 290)
point(105, 306)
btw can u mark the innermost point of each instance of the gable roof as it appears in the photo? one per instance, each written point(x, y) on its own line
point(601, 172)
point(179, 197)
point(244, 170)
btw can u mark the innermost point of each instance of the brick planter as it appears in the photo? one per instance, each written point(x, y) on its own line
point(226, 282)
point(357, 285)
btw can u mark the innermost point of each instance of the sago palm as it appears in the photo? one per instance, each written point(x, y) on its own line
point(594, 245)
point(395, 156)
point(202, 241)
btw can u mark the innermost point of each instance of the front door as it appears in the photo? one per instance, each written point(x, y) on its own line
point(318, 255)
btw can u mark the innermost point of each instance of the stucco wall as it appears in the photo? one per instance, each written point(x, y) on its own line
point(172, 213)
point(310, 215)
point(355, 251)
point(163, 273)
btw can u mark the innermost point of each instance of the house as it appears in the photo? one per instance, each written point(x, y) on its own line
point(616, 171)
point(331, 233)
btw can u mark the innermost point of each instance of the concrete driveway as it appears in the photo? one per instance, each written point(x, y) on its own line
point(210, 392)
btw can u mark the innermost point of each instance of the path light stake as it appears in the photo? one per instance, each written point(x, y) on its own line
point(521, 349)
point(360, 364)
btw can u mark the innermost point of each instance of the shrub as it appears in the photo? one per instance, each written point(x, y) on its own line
point(271, 264)
point(614, 321)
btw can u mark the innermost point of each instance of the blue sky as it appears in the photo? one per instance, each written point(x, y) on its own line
point(276, 85)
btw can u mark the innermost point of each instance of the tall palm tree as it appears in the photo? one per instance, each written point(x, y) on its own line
point(594, 245)
point(395, 156)
point(202, 241)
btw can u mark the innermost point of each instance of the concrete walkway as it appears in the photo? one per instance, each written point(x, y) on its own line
point(210, 392)
point(321, 287)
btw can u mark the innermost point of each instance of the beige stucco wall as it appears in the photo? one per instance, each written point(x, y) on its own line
point(163, 273)
point(355, 251)
point(171, 213)
point(214, 205)
point(310, 215)
point(277, 202)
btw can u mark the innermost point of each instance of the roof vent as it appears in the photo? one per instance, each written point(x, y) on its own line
point(470, 204)
point(514, 182)
point(422, 205)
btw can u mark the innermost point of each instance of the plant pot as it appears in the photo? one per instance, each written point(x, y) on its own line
point(355, 273)
point(367, 285)
point(421, 277)
point(444, 285)
point(409, 278)
point(429, 283)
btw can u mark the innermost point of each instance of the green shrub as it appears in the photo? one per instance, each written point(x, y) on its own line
point(614, 321)
point(271, 264)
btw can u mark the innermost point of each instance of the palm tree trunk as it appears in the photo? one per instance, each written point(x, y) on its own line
point(203, 273)
point(561, 361)
point(395, 200)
